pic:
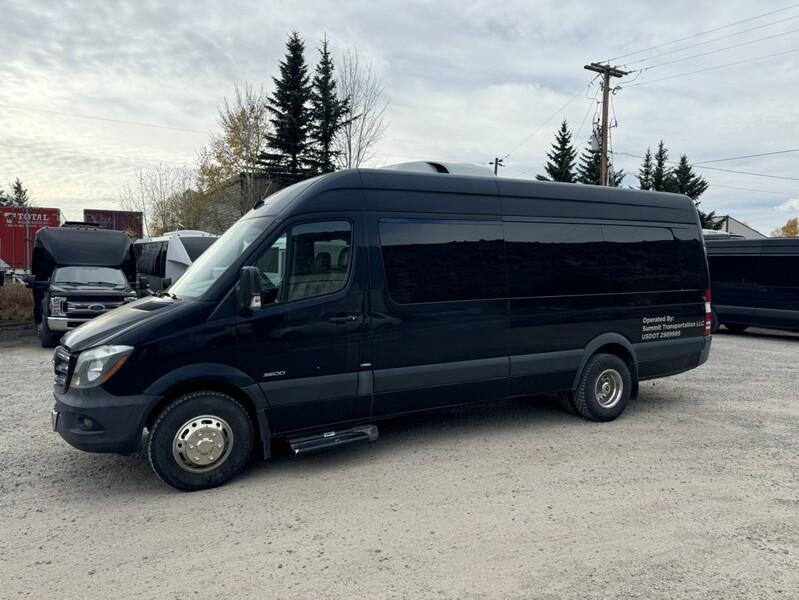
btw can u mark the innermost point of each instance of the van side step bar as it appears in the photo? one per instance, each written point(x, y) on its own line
point(316, 442)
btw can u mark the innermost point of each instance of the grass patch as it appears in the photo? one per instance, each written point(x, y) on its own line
point(16, 302)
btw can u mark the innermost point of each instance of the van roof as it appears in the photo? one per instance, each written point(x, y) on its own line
point(732, 247)
point(402, 191)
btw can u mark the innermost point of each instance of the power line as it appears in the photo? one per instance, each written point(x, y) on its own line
point(705, 162)
point(701, 33)
point(677, 60)
point(96, 118)
point(706, 42)
point(744, 189)
point(732, 64)
point(552, 116)
point(674, 162)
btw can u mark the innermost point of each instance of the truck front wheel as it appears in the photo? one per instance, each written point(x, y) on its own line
point(46, 337)
point(200, 440)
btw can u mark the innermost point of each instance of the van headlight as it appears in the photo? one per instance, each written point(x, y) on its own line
point(98, 365)
point(57, 306)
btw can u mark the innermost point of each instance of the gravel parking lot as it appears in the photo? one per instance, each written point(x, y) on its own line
point(693, 492)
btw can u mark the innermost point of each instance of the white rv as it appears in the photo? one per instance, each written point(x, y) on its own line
point(162, 260)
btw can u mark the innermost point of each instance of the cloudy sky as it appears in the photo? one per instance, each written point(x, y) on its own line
point(467, 81)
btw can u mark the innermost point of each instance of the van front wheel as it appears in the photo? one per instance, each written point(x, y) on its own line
point(604, 388)
point(200, 441)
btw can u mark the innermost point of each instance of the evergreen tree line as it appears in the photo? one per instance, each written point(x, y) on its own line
point(655, 172)
point(17, 197)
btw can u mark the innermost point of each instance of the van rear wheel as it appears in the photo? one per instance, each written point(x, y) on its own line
point(200, 441)
point(604, 388)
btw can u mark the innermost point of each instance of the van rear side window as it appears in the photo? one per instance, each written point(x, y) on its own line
point(554, 259)
point(641, 259)
point(438, 261)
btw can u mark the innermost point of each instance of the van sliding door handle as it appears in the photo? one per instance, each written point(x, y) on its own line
point(344, 318)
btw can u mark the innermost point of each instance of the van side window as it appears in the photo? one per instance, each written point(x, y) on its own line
point(641, 259)
point(554, 259)
point(689, 257)
point(779, 271)
point(429, 260)
point(309, 260)
point(734, 269)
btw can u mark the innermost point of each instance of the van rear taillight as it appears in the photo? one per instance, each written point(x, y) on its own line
point(708, 314)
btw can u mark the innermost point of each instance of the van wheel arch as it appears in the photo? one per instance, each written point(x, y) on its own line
point(617, 345)
point(258, 419)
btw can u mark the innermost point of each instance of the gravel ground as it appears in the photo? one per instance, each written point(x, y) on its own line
point(693, 493)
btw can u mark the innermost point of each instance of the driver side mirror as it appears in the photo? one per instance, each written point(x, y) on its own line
point(35, 284)
point(248, 291)
point(143, 284)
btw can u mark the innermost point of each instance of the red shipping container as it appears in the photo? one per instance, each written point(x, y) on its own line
point(18, 227)
point(129, 221)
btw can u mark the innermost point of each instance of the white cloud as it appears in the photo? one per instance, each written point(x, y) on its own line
point(791, 205)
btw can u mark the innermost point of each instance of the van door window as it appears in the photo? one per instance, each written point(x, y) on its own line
point(312, 259)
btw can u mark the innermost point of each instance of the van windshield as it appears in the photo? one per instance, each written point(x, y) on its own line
point(222, 253)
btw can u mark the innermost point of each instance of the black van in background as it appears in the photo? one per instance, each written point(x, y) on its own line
point(364, 294)
point(755, 283)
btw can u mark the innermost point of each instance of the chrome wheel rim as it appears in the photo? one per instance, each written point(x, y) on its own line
point(202, 443)
point(608, 388)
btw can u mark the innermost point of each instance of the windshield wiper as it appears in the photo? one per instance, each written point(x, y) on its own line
point(102, 283)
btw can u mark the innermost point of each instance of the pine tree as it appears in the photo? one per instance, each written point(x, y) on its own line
point(329, 112)
point(290, 115)
point(685, 181)
point(588, 170)
point(560, 166)
point(4, 200)
point(646, 172)
point(19, 195)
point(662, 180)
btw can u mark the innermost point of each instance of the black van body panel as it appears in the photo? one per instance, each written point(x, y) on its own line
point(388, 342)
point(756, 282)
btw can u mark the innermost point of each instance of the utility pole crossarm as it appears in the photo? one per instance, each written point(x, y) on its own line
point(607, 72)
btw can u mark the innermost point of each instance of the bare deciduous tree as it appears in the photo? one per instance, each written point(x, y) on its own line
point(237, 150)
point(163, 195)
point(366, 125)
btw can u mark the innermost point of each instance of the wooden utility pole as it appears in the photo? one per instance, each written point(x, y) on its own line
point(607, 72)
point(497, 163)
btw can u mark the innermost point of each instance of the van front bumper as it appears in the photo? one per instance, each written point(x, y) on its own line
point(95, 421)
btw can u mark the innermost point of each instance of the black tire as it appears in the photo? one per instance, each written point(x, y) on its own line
point(736, 327)
point(586, 400)
point(237, 429)
point(46, 337)
point(566, 403)
point(714, 322)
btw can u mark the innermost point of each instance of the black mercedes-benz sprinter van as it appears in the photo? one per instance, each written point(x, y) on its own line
point(363, 294)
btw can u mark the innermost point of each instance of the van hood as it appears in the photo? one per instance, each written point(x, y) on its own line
point(102, 329)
